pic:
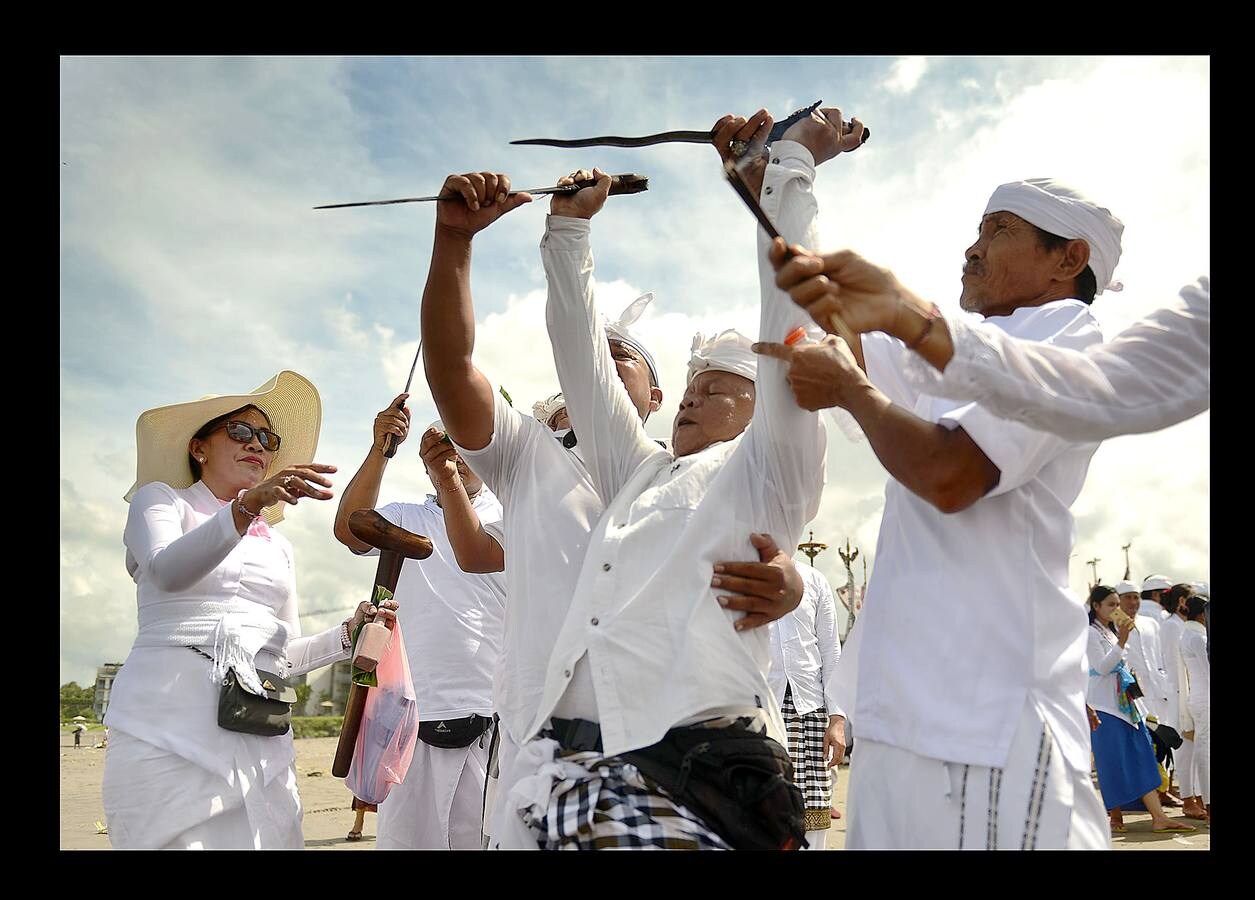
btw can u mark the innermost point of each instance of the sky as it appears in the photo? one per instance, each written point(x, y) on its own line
point(191, 261)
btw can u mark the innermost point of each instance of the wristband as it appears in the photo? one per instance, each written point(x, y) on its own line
point(345, 641)
point(239, 503)
point(931, 316)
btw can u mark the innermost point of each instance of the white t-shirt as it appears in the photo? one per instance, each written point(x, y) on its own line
point(452, 620)
point(970, 614)
point(550, 508)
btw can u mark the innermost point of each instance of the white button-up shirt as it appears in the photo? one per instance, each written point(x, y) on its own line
point(1155, 373)
point(645, 620)
point(550, 508)
point(453, 619)
point(968, 615)
point(805, 648)
point(1170, 646)
point(1146, 661)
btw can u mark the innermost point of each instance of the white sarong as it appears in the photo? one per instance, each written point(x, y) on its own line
point(439, 805)
point(899, 800)
point(158, 800)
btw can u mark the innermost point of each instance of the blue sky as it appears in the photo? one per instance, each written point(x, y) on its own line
point(192, 262)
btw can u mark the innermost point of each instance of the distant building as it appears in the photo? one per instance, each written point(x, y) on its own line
point(333, 681)
point(104, 686)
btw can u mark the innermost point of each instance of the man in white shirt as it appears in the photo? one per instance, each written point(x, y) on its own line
point(645, 649)
point(965, 671)
point(1153, 374)
point(453, 624)
point(1155, 589)
point(1170, 631)
point(550, 503)
point(804, 654)
point(1144, 656)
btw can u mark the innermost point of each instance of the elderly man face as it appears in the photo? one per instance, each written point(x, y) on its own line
point(1008, 267)
point(1131, 603)
point(717, 406)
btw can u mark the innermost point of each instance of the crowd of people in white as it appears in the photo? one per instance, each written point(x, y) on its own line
point(610, 639)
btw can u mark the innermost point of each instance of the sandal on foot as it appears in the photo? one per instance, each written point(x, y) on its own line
point(1117, 828)
point(1174, 827)
point(353, 836)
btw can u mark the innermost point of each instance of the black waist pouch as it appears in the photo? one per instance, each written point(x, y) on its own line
point(738, 781)
point(268, 714)
point(451, 734)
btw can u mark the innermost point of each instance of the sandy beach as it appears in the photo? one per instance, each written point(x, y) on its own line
point(328, 817)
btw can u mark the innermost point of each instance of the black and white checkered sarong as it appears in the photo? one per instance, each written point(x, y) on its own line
point(810, 771)
point(614, 806)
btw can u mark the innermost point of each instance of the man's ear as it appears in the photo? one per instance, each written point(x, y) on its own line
point(1074, 260)
point(655, 399)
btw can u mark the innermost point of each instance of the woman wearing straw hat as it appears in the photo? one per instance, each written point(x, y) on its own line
point(217, 602)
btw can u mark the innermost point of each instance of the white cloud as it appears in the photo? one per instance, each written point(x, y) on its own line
point(191, 261)
point(905, 74)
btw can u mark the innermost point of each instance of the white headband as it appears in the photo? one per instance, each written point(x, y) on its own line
point(544, 410)
point(620, 330)
point(727, 351)
point(1065, 211)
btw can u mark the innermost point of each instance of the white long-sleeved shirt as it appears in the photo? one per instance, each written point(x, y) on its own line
point(1155, 373)
point(644, 620)
point(968, 615)
point(191, 566)
point(1176, 713)
point(805, 648)
point(1104, 653)
point(1146, 659)
point(1196, 666)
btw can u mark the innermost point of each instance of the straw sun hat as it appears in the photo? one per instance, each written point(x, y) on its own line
point(289, 400)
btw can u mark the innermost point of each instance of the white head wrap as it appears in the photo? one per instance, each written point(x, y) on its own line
point(727, 351)
point(620, 330)
point(544, 410)
point(1065, 211)
point(1202, 588)
point(1127, 587)
point(1156, 583)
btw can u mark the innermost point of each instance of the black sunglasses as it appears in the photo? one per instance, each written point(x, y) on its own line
point(244, 432)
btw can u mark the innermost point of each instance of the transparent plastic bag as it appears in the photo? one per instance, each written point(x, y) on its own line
point(389, 730)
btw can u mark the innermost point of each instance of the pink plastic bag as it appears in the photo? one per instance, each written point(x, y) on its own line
point(389, 731)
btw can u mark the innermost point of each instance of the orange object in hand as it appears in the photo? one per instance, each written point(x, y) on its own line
point(796, 335)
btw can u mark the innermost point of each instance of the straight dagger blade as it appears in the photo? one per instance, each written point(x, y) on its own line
point(565, 189)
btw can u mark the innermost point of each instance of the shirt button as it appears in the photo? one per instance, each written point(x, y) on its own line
point(605, 567)
point(766, 190)
point(594, 620)
point(566, 673)
point(776, 160)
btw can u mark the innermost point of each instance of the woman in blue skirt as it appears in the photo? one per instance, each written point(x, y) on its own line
point(1123, 753)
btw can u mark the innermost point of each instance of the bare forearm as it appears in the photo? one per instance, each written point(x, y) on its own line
point(473, 547)
point(362, 492)
point(462, 395)
point(940, 465)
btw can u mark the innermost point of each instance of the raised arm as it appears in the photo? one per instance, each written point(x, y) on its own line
point(462, 394)
point(788, 440)
point(473, 547)
point(605, 420)
point(363, 491)
point(1153, 374)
